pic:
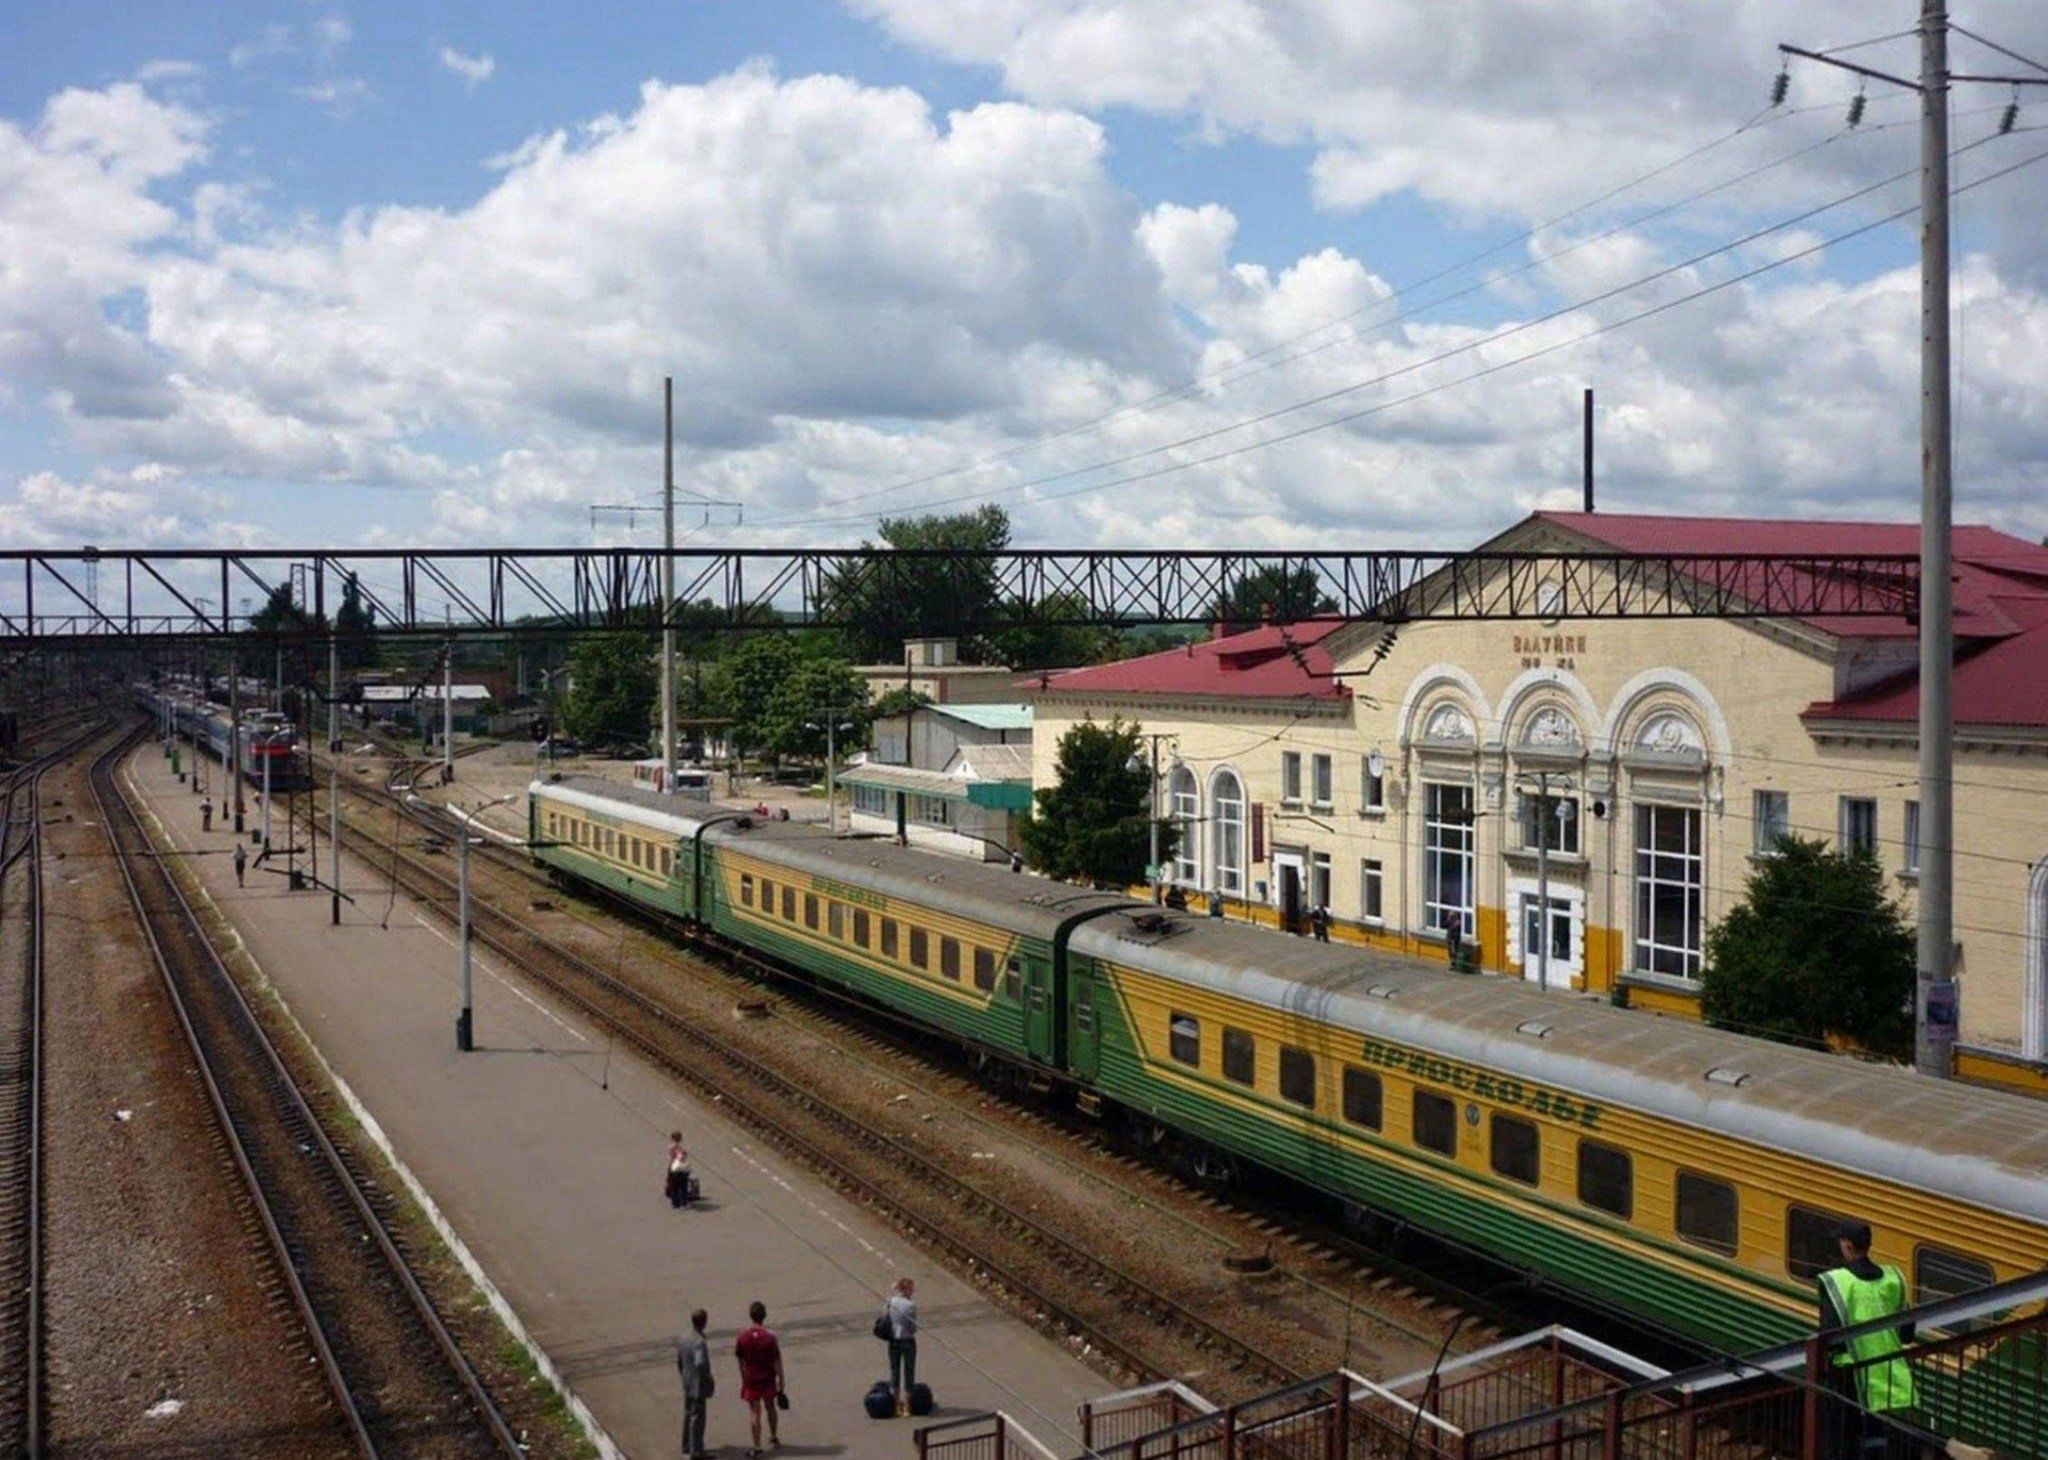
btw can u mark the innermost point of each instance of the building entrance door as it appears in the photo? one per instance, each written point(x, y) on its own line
point(1557, 929)
point(1289, 871)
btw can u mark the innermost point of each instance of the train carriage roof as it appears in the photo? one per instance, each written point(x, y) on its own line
point(1984, 1146)
point(980, 891)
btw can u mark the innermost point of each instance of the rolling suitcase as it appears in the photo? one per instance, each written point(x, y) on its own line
point(920, 1399)
point(880, 1402)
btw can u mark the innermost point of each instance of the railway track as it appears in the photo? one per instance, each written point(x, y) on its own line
point(1322, 1256)
point(1340, 1273)
point(21, 1087)
point(401, 1385)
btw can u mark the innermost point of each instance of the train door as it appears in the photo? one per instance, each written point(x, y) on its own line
point(1042, 1025)
point(1084, 1022)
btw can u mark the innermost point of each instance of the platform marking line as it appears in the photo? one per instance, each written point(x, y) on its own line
point(593, 1429)
point(507, 984)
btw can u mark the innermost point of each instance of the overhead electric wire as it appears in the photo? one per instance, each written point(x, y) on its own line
point(1466, 348)
point(1236, 368)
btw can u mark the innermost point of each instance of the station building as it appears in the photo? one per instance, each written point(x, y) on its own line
point(1399, 778)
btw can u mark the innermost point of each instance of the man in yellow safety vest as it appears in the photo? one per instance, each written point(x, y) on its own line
point(1858, 1292)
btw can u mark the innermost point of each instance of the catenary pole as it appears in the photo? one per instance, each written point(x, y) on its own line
point(448, 713)
point(1542, 881)
point(668, 592)
point(1935, 996)
point(234, 756)
point(334, 778)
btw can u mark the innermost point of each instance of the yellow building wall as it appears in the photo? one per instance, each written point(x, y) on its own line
point(1738, 689)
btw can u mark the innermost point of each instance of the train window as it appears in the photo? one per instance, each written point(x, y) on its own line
point(768, 897)
point(1515, 1151)
point(668, 861)
point(811, 911)
point(633, 850)
point(835, 919)
point(920, 948)
point(788, 903)
point(746, 889)
point(860, 926)
point(1938, 1274)
point(984, 969)
point(1240, 1062)
point(1707, 1213)
point(1436, 1123)
point(1013, 978)
point(888, 937)
point(1298, 1076)
point(1184, 1038)
point(949, 958)
point(1361, 1097)
point(1607, 1179)
point(1810, 1246)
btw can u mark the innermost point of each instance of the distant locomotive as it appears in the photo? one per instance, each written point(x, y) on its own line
point(268, 739)
point(1691, 1177)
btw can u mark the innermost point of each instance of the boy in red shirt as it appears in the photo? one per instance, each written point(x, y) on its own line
point(760, 1356)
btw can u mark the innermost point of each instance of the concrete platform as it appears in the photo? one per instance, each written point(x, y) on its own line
point(544, 1151)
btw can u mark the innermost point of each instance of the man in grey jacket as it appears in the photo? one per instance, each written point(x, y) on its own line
point(902, 1315)
point(693, 1359)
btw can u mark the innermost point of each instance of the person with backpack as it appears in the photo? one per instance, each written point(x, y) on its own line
point(761, 1379)
point(901, 1313)
point(693, 1360)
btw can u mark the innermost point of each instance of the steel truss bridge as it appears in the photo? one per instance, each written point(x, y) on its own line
point(111, 597)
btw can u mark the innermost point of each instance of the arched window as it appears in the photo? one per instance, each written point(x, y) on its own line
point(1226, 816)
point(2034, 1001)
point(1184, 807)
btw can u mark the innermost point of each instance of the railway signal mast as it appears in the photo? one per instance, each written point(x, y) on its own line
point(1935, 998)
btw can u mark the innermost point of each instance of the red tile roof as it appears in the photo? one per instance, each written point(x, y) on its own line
point(2001, 603)
point(1268, 663)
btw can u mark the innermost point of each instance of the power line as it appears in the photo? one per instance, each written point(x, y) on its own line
point(1237, 368)
point(1494, 369)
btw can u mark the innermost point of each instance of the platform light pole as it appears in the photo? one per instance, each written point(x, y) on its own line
point(334, 778)
point(448, 713)
point(465, 1022)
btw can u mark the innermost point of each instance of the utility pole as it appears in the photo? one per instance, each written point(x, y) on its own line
point(1152, 802)
point(448, 713)
point(234, 756)
point(333, 779)
point(1543, 881)
point(1934, 1021)
point(668, 596)
point(1588, 411)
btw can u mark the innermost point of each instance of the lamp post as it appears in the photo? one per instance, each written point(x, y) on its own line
point(465, 1024)
point(831, 725)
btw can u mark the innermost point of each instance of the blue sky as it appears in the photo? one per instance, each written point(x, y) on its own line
point(345, 294)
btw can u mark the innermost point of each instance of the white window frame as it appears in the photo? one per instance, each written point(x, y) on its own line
point(1322, 782)
point(1849, 810)
point(1684, 869)
point(1444, 844)
point(1318, 880)
point(1770, 818)
point(1372, 789)
point(1912, 840)
point(1290, 778)
point(1566, 842)
point(1227, 813)
point(1184, 809)
point(1372, 891)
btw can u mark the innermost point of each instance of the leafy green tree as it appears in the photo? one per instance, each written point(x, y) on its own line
point(613, 684)
point(1282, 594)
point(743, 683)
point(1094, 823)
point(1048, 647)
point(885, 603)
point(818, 689)
point(355, 624)
point(280, 614)
point(1816, 950)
